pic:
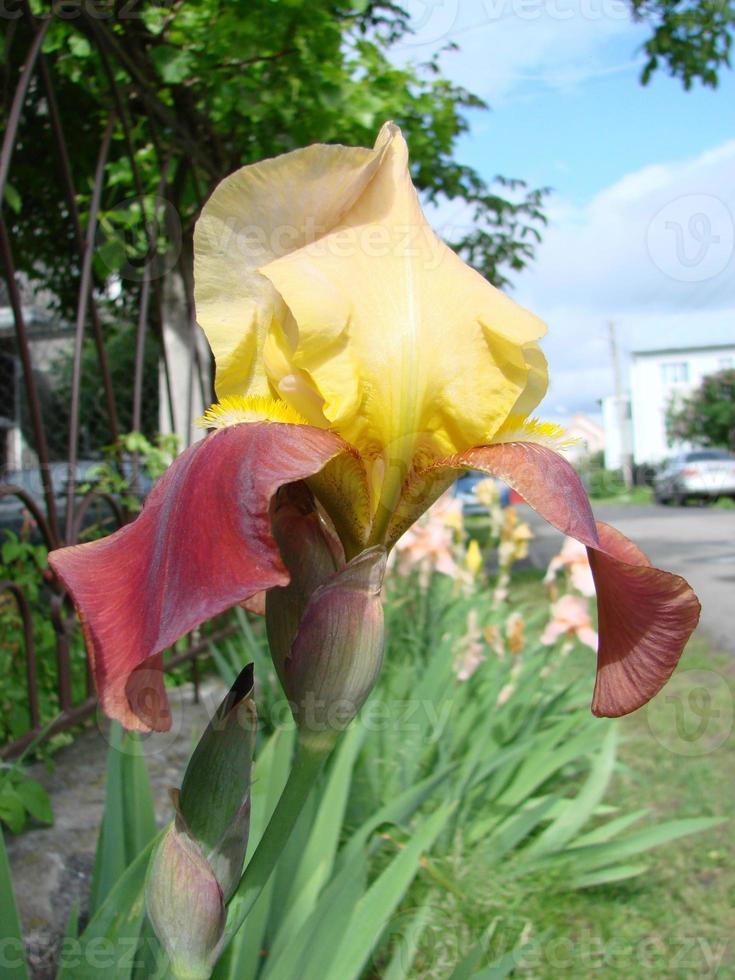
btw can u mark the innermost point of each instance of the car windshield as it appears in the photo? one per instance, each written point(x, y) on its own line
point(706, 454)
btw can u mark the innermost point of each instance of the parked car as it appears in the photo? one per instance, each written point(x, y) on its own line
point(704, 474)
point(464, 491)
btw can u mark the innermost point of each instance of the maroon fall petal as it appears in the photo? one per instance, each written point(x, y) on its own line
point(201, 544)
point(646, 615)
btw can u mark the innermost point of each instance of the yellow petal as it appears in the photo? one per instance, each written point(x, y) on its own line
point(257, 214)
point(414, 354)
point(537, 381)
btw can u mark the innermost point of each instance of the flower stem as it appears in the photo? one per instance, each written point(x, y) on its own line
point(309, 760)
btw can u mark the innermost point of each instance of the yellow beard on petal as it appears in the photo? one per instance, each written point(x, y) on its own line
point(235, 409)
point(519, 429)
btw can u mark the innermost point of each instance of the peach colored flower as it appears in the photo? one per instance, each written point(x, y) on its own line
point(487, 493)
point(494, 639)
point(570, 617)
point(471, 653)
point(430, 545)
point(514, 629)
point(574, 561)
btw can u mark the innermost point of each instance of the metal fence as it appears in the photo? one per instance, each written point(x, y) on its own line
point(72, 383)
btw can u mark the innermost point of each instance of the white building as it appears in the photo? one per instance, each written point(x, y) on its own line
point(658, 377)
point(611, 425)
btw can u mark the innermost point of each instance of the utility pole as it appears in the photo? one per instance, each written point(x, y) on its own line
point(626, 463)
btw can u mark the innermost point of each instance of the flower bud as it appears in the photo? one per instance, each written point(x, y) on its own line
point(185, 904)
point(336, 655)
point(214, 802)
point(310, 552)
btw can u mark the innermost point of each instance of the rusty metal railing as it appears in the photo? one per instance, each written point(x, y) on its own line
point(59, 511)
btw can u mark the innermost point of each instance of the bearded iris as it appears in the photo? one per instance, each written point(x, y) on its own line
point(359, 358)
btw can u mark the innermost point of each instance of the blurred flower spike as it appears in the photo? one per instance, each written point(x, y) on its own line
point(574, 562)
point(570, 617)
point(356, 353)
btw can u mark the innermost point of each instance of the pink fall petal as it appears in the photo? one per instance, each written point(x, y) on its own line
point(645, 615)
point(201, 544)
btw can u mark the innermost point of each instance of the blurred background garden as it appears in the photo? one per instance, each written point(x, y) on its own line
point(477, 821)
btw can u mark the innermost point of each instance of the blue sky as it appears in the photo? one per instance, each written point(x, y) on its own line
point(581, 138)
point(642, 216)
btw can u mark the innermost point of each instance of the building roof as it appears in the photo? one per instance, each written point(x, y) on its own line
point(694, 349)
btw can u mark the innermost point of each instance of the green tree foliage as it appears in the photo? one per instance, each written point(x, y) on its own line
point(692, 38)
point(203, 87)
point(706, 417)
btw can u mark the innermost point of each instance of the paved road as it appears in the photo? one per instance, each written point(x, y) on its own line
point(696, 542)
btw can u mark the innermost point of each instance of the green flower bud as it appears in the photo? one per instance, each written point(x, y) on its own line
point(310, 552)
point(185, 904)
point(336, 654)
point(214, 802)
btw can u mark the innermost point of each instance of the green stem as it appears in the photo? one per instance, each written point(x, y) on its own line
point(309, 761)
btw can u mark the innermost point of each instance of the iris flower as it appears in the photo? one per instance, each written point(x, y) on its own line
point(358, 355)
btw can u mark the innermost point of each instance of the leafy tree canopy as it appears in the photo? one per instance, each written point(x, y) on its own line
point(692, 38)
point(201, 87)
point(706, 417)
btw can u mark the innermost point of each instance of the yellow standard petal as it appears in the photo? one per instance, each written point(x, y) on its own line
point(257, 214)
point(412, 354)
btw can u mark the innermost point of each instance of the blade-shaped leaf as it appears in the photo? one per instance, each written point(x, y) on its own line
point(309, 953)
point(317, 860)
point(115, 926)
point(243, 957)
point(128, 821)
point(380, 901)
point(14, 967)
point(406, 949)
point(581, 808)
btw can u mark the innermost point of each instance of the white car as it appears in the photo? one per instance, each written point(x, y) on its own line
point(705, 474)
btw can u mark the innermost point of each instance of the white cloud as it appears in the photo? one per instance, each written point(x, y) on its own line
point(655, 252)
point(509, 46)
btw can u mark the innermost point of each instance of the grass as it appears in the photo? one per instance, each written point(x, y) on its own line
point(678, 920)
point(675, 921)
point(636, 495)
